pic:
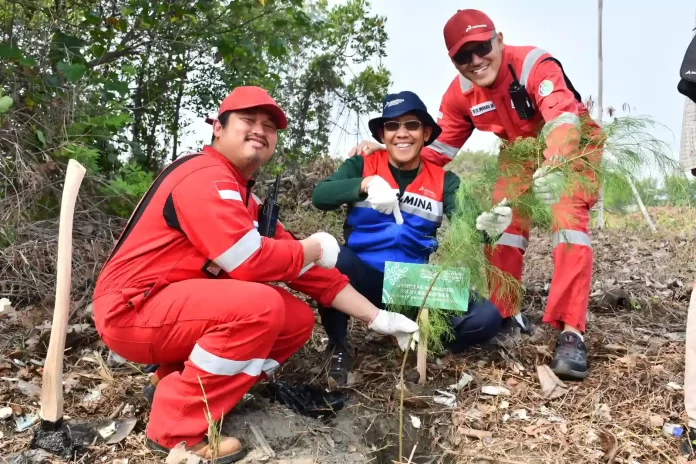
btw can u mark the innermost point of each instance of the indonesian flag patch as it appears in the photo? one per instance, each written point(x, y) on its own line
point(228, 190)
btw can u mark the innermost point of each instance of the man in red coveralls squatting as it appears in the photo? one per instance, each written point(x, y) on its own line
point(480, 97)
point(187, 284)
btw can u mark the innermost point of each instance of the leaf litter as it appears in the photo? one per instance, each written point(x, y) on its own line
point(635, 345)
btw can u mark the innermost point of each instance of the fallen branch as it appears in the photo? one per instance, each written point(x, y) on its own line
point(292, 179)
point(473, 433)
point(498, 460)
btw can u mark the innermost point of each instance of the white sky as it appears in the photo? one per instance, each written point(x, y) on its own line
point(643, 45)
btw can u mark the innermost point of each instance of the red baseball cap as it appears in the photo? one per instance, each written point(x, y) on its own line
point(467, 26)
point(246, 97)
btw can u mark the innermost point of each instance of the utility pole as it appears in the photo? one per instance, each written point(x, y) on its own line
point(600, 111)
point(600, 95)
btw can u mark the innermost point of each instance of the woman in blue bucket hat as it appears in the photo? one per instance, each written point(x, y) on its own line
point(396, 202)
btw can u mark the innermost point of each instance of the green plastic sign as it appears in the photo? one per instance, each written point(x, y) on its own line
point(406, 284)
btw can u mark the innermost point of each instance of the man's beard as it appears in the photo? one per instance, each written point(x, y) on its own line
point(252, 162)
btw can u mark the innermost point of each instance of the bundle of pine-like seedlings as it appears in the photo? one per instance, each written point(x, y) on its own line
point(620, 151)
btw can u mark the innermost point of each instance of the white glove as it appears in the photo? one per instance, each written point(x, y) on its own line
point(548, 186)
point(383, 198)
point(397, 325)
point(329, 249)
point(495, 221)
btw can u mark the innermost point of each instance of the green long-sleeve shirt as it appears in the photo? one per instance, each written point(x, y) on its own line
point(343, 186)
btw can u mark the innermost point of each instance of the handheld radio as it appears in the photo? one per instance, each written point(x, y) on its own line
point(269, 212)
point(520, 98)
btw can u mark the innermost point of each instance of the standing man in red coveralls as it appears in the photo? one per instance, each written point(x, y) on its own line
point(481, 97)
point(187, 284)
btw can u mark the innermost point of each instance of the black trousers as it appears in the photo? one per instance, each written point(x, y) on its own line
point(481, 322)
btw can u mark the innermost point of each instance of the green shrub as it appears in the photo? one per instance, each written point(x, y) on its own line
point(126, 189)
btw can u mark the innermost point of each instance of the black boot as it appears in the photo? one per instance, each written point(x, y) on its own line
point(511, 330)
point(570, 360)
point(339, 363)
point(511, 323)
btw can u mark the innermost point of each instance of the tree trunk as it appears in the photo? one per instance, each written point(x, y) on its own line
point(636, 195)
point(10, 27)
point(161, 90)
point(177, 108)
point(299, 137)
point(138, 109)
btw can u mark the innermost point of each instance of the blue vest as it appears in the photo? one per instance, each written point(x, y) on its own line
point(376, 237)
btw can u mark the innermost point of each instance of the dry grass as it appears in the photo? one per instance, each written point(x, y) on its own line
point(669, 220)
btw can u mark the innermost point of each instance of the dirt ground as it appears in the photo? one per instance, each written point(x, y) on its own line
point(635, 341)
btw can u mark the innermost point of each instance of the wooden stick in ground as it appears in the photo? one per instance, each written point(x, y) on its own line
point(422, 359)
point(52, 384)
point(402, 386)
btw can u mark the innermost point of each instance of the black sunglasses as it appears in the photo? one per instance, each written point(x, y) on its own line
point(411, 125)
point(463, 57)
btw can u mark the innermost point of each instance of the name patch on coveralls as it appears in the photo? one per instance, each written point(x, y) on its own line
point(482, 108)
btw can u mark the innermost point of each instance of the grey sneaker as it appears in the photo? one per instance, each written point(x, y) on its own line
point(570, 359)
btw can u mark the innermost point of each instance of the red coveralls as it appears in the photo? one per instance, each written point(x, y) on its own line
point(559, 112)
point(186, 288)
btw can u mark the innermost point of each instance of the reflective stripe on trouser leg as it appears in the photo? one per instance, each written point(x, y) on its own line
point(507, 256)
point(572, 262)
point(254, 329)
point(690, 362)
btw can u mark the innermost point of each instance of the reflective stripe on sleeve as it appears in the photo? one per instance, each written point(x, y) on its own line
point(574, 237)
point(447, 150)
point(563, 118)
point(528, 63)
point(240, 251)
point(214, 364)
point(513, 240)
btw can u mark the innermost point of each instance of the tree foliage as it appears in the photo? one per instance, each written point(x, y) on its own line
point(113, 83)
